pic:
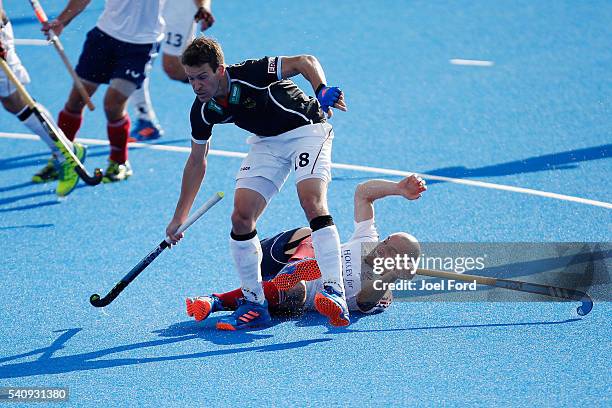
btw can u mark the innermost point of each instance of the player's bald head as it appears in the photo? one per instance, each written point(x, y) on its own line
point(405, 243)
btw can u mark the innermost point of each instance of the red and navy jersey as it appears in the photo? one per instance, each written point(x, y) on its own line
point(259, 101)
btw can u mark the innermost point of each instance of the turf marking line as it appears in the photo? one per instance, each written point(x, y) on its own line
point(353, 167)
point(473, 63)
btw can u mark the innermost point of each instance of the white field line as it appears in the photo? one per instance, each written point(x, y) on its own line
point(473, 63)
point(353, 167)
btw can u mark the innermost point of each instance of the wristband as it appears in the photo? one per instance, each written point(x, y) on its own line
point(319, 88)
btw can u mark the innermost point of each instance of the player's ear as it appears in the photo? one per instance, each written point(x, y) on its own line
point(221, 70)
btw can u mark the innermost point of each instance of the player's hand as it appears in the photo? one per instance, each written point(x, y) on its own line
point(55, 25)
point(204, 17)
point(171, 231)
point(412, 187)
point(330, 97)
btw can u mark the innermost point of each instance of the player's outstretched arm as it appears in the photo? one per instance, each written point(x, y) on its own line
point(193, 174)
point(72, 9)
point(311, 69)
point(367, 192)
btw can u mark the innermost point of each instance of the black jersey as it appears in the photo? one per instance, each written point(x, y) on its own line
point(259, 101)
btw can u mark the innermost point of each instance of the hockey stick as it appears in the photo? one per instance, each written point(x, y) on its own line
point(552, 291)
point(42, 17)
point(95, 299)
point(56, 134)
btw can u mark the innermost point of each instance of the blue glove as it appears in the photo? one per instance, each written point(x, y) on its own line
point(328, 96)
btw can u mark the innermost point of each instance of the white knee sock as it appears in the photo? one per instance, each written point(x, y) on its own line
point(141, 99)
point(247, 258)
point(326, 243)
point(31, 121)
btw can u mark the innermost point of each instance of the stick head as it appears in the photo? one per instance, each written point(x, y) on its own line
point(96, 301)
point(586, 307)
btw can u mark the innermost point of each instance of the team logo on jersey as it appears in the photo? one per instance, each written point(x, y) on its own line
point(213, 106)
point(234, 94)
point(271, 65)
point(249, 103)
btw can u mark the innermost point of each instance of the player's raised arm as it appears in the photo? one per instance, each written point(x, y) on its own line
point(311, 69)
point(193, 175)
point(367, 192)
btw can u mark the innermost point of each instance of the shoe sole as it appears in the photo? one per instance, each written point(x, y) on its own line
point(197, 309)
point(229, 327)
point(225, 326)
point(252, 325)
point(40, 180)
point(307, 270)
point(70, 190)
point(107, 180)
point(331, 310)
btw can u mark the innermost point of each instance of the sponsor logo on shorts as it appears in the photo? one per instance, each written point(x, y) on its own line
point(132, 73)
point(271, 65)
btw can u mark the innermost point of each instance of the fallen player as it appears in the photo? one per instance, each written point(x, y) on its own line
point(291, 274)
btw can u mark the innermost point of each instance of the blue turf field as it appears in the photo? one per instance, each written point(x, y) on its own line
point(539, 118)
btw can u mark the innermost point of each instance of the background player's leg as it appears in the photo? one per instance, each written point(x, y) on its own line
point(118, 128)
point(71, 117)
point(147, 126)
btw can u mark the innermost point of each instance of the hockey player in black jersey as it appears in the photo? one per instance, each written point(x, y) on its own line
point(289, 131)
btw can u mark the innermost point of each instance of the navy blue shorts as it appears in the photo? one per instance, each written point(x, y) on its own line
point(274, 257)
point(104, 58)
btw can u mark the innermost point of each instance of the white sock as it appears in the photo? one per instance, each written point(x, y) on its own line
point(32, 122)
point(247, 258)
point(141, 99)
point(326, 243)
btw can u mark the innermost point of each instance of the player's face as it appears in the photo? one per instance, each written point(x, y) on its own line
point(204, 81)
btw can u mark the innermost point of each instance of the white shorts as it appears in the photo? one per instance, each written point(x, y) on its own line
point(180, 26)
point(6, 86)
point(305, 150)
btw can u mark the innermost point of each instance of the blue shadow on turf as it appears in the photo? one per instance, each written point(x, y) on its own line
point(32, 226)
point(47, 364)
point(314, 319)
point(556, 161)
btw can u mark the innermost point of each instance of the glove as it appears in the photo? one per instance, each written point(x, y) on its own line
point(204, 17)
point(328, 96)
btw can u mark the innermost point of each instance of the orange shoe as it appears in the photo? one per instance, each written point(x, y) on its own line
point(201, 307)
point(305, 269)
point(332, 305)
